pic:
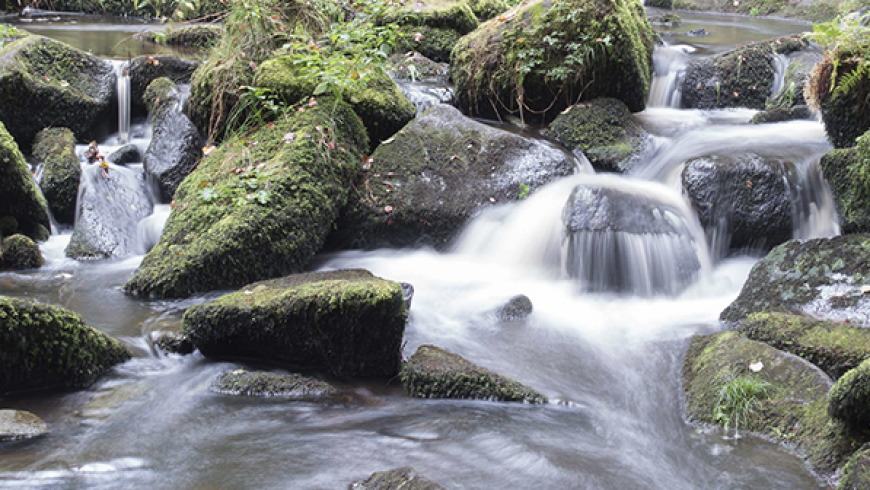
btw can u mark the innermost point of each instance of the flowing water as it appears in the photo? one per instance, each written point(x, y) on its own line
point(610, 362)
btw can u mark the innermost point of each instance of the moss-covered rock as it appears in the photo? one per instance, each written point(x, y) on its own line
point(19, 253)
point(145, 69)
point(605, 131)
point(777, 114)
point(740, 78)
point(433, 372)
point(433, 27)
point(826, 278)
point(794, 409)
point(211, 103)
point(405, 478)
point(841, 97)
point(73, 88)
point(46, 347)
point(847, 171)
point(22, 207)
point(305, 164)
point(850, 398)
point(834, 347)
point(55, 150)
point(541, 57)
point(174, 343)
point(195, 36)
point(413, 66)
point(16, 425)
point(349, 322)
point(262, 383)
point(487, 9)
point(436, 173)
point(794, 81)
point(856, 473)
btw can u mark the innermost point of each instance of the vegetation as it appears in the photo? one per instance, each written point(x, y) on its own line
point(739, 399)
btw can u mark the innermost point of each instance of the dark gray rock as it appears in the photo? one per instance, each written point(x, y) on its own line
point(778, 114)
point(174, 343)
point(16, 425)
point(261, 383)
point(407, 294)
point(516, 309)
point(145, 69)
point(398, 479)
point(55, 150)
point(125, 155)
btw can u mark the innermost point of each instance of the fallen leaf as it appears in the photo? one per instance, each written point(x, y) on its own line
point(756, 366)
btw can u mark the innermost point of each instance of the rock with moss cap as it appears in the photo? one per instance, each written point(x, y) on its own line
point(436, 173)
point(778, 114)
point(19, 253)
point(74, 89)
point(433, 372)
point(22, 207)
point(55, 150)
point(605, 131)
point(850, 398)
point(413, 66)
point(433, 27)
point(740, 78)
point(145, 69)
point(50, 347)
point(349, 322)
point(195, 36)
point(856, 473)
point(405, 478)
point(174, 343)
point(17, 425)
point(545, 55)
point(263, 383)
point(844, 108)
point(826, 278)
point(212, 241)
point(846, 171)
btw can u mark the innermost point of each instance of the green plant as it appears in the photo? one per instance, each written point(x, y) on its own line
point(252, 186)
point(524, 191)
point(738, 400)
point(7, 32)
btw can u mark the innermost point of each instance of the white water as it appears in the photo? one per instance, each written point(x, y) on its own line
point(122, 79)
point(669, 62)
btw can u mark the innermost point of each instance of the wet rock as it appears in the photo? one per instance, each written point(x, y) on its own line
point(174, 343)
point(145, 69)
point(125, 155)
point(175, 147)
point(405, 478)
point(75, 93)
point(669, 19)
point(843, 107)
point(49, 347)
point(431, 27)
point(856, 473)
point(436, 173)
point(605, 131)
point(19, 252)
point(407, 294)
point(483, 63)
point(196, 36)
point(426, 95)
point(212, 242)
point(846, 171)
point(22, 207)
point(517, 308)
point(433, 372)
point(413, 66)
point(823, 277)
point(744, 197)
point(261, 383)
point(349, 322)
point(16, 425)
point(791, 95)
point(700, 32)
point(55, 150)
point(776, 115)
point(850, 398)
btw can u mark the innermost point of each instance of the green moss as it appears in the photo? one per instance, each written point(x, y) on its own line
point(20, 252)
point(446, 14)
point(55, 150)
point(261, 383)
point(850, 398)
point(197, 36)
point(311, 158)
point(349, 322)
point(487, 9)
point(847, 171)
point(45, 347)
point(415, 66)
point(435, 43)
point(208, 108)
point(158, 92)
point(435, 373)
point(845, 111)
point(856, 473)
point(21, 203)
point(405, 478)
point(127, 8)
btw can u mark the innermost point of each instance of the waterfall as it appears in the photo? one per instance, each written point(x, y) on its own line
point(669, 63)
point(123, 88)
point(780, 65)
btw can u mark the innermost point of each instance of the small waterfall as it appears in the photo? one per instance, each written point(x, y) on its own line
point(815, 214)
point(149, 229)
point(780, 65)
point(669, 63)
point(123, 91)
point(426, 94)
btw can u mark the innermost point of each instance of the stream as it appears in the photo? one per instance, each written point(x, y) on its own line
point(610, 363)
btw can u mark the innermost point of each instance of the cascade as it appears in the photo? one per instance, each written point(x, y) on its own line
point(668, 65)
point(123, 91)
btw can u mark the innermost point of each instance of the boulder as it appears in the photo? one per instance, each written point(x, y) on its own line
point(846, 171)
point(823, 277)
point(262, 383)
point(431, 27)
point(74, 89)
point(850, 398)
point(49, 347)
point(516, 309)
point(436, 173)
point(413, 66)
point(542, 56)
point(175, 146)
point(16, 425)
point(740, 78)
point(109, 211)
point(794, 81)
point(19, 252)
point(487, 9)
point(195, 36)
point(843, 105)
point(405, 478)
point(55, 150)
point(174, 343)
point(381, 106)
point(778, 114)
point(433, 372)
point(349, 322)
point(22, 207)
point(231, 226)
point(856, 473)
point(145, 69)
point(744, 199)
point(125, 155)
point(604, 130)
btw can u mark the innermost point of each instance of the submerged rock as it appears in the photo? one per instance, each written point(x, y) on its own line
point(436, 173)
point(846, 171)
point(22, 207)
point(55, 150)
point(261, 383)
point(50, 347)
point(348, 321)
point(125, 154)
point(145, 69)
point(405, 478)
point(777, 114)
point(433, 372)
point(517, 308)
point(19, 252)
point(850, 398)
point(174, 343)
point(16, 425)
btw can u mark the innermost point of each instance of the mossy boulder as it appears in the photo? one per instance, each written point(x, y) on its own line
point(542, 56)
point(74, 89)
point(847, 171)
point(48, 347)
point(432, 27)
point(22, 207)
point(487, 9)
point(743, 77)
point(826, 278)
point(55, 150)
point(195, 36)
point(349, 322)
point(405, 478)
point(742, 199)
point(16, 425)
point(211, 100)
point(381, 106)
point(19, 252)
point(604, 130)
point(778, 114)
point(305, 165)
point(145, 69)
point(794, 409)
point(262, 383)
point(832, 346)
point(856, 473)
point(433, 372)
point(413, 66)
point(174, 343)
point(850, 399)
point(436, 173)
point(844, 106)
